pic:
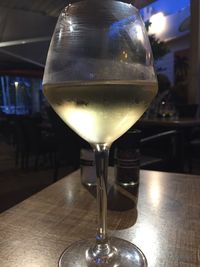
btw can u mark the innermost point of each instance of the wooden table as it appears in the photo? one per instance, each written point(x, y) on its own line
point(36, 231)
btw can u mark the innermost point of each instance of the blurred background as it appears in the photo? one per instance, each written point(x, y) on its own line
point(37, 148)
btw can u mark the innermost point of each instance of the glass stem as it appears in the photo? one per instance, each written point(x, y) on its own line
point(101, 159)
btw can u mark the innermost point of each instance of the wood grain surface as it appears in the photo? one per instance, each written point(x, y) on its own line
point(162, 219)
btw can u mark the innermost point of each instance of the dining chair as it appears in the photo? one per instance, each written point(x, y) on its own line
point(67, 144)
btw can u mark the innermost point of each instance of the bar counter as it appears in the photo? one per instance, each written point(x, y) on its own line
point(162, 219)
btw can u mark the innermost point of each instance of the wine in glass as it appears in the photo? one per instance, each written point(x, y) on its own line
point(99, 78)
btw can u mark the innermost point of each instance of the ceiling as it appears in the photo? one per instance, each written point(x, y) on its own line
point(26, 27)
point(50, 7)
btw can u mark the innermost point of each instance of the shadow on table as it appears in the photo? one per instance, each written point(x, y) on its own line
point(122, 203)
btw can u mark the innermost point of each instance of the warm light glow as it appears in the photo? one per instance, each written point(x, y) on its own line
point(155, 190)
point(158, 23)
point(16, 84)
point(125, 54)
point(69, 195)
point(146, 235)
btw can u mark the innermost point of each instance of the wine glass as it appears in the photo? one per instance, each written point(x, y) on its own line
point(99, 78)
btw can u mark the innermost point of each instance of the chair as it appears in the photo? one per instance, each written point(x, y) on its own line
point(192, 138)
point(31, 142)
point(158, 151)
point(193, 148)
point(187, 110)
point(20, 141)
point(67, 143)
point(41, 143)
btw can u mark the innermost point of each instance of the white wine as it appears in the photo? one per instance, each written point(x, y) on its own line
point(100, 112)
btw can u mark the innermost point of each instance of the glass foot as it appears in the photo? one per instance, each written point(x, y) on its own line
point(121, 254)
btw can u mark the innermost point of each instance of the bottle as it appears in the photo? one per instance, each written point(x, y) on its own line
point(127, 158)
point(87, 165)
